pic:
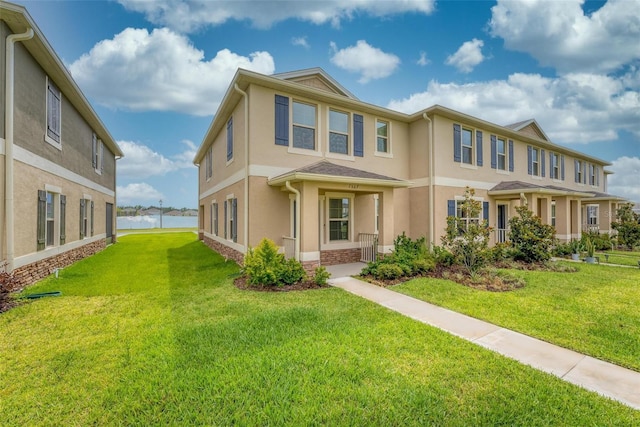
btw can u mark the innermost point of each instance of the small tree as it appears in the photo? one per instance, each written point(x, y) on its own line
point(531, 239)
point(627, 226)
point(468, 238)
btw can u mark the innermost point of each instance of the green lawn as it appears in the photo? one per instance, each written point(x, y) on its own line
point(152, 332)
point(620, 257)
point(594, 311)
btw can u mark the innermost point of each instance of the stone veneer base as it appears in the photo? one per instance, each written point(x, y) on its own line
point(223, 250)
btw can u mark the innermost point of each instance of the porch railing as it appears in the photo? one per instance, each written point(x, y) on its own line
point(502, 234)
point(289, 244)
point(590, 228)
point(368, 246)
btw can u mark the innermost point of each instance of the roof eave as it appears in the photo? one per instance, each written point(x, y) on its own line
point(551, 191)
point(301, 176)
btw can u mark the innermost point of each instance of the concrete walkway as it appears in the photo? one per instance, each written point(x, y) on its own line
point(592, 374)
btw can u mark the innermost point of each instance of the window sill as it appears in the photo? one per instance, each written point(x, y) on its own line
point(468, 166)
point(503, 172)
point(536, 177)
point(304, 151)
point(230, 161)
point(383, 154)
point(53, 142)
point(331, 155)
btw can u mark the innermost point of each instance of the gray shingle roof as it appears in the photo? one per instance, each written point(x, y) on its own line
point(325, 167)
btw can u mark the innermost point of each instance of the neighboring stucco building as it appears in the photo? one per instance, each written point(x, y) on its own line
point(57, 159)
point(297, 158)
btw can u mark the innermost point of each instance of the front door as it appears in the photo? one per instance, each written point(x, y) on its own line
point(503, 220)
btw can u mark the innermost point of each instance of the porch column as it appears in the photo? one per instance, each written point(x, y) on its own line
point(544, 210)
point(576, 219)
point(386, 234)
point(309, 225)
point(563, 219)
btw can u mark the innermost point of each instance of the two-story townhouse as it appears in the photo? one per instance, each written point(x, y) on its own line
point(297, 158)
point(58, 160)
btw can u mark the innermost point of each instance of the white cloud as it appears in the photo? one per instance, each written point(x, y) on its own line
point(137, 193)
point(141, 162)
point(160, 71)
point(191, 15)
point(467, 56)
point(300, 41)
point(423, 60)
point(560, 35)
point(576, 108)
point(370, 62)
point(625, 181)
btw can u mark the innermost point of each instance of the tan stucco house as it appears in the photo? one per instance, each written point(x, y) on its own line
point(57, 159)
point(297, 158)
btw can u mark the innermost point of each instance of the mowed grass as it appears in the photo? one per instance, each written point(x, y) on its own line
point(152, 332)
point(620, 257)
point(594, 311)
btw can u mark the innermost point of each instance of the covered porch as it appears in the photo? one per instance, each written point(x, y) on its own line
point(338, 214)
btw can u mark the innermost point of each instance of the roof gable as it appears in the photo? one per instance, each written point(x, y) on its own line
point(529, 127)
point(316, 78)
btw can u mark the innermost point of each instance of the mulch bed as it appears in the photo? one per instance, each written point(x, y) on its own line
point(242, 283)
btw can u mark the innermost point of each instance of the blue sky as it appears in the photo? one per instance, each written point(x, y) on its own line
point(155, 71)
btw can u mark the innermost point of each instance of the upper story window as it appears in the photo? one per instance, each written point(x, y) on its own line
point(594, 175)
point(579, 171)
point(382, 132)
point(557, 166)
point(467, 146)
point(54, 114)
point(338, 132)
point(501, 151)
point(97, 154)
point(230, 139)
point(535, 162)
point(304, 126)
point(209, 163)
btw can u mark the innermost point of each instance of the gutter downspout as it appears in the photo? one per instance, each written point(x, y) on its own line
point(8, 119)
point(297, 214)
point(245, 215)
point(431, 177)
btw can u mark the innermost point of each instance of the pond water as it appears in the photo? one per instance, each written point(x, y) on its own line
point(153, 221)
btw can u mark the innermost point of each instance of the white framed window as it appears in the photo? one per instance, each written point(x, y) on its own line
point(339, 217)
point(53, 134)
point(555, 165)
point(376, 213)
point(579, 172)
point(553, 213)
point(304, 125)
point(501, 154)
point(467, 146)
point(535, 161)
point(592, 214)
point(463, 220)
point(230, 140)
point(86, 217)
point(209, 163)
point(231, 218)
point(51, 219)
point(339, 132)
point(594, 178)
point(97, 154)
point(382, 137)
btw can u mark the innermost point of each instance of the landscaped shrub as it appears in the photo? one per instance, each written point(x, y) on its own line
point(531, 239)
point(562, 250)
point(468, 241)
point(443, 257)
point(320, 276)
point(628, 226)
point(601, 242)
point(501, 252)
point(409, 258)
point(389, 271)
point(263, 265)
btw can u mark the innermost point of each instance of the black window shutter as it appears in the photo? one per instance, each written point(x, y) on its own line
point(494, 152)
point(562, 167)
point(479, 148)
point(282, 120)
point(94, 151)
point(63, 214)
point(451, 208)
point(81, 219)
point(485, 211)
point(358, 136)
point(92, 218)
point(42, 220)
point(529, 161)
point(457, 143)
point(511, 160)
point(542, 162)
point(226, 222)
point(230, 139)
point(234, 212)
point(101, 156)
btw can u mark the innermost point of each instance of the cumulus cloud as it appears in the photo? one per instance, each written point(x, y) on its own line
point(576, 108)
point(160, 71)
point(467, 56)
point(370, 62)
point(192, 15)
point(300, 41)
point(560, 35)
point(625, 181)
point(141, 162)
point(137, 193)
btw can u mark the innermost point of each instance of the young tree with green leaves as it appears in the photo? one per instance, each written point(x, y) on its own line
point(531, 239)
point(627, 226)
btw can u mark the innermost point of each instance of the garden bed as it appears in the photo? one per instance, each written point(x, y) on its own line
point(242, 282)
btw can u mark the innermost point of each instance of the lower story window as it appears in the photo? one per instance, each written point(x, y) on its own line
point(553, 213)
point(51, 217)
point(592, 215)
point(463, 218)
point(339, 212)
point(231, 219)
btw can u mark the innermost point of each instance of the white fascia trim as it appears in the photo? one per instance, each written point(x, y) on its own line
point(462, 183)
point(420, 182)
point(27, 157)
point(55, 250)
point(2, 146)
point(236, 177)
point(310, 256)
